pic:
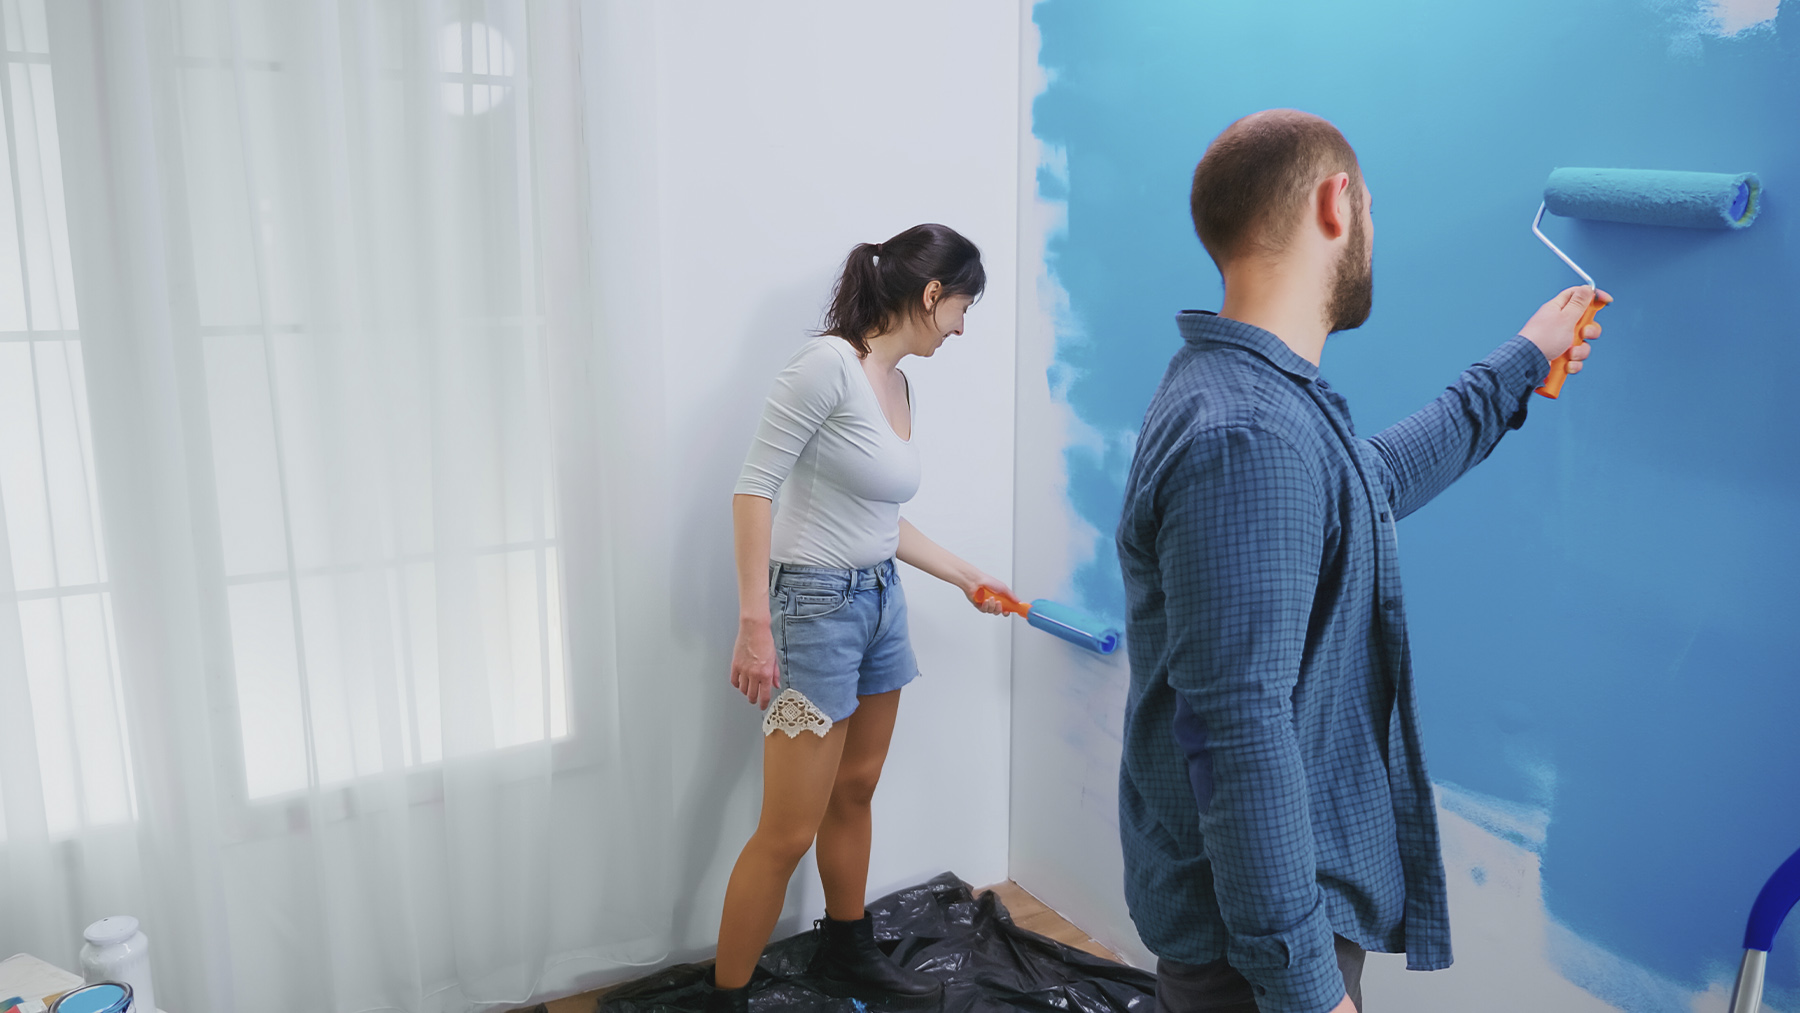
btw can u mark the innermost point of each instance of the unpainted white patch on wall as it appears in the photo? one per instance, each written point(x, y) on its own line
point(1734, 16)
point(1511, 952)
point(1692, 22)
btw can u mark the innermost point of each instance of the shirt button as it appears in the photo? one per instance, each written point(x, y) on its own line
point(1391, 604)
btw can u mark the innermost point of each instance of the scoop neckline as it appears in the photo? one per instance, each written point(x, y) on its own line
point(869, 386)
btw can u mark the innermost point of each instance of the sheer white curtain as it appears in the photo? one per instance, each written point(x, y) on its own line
point(329, 581)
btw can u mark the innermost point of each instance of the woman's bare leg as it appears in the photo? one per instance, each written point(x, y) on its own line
point(798, 775)
point(844, 832)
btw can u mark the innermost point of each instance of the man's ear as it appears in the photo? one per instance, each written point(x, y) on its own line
point(1332, 205)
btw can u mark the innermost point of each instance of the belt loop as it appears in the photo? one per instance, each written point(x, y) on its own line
point(881, 576)
point(774, 575)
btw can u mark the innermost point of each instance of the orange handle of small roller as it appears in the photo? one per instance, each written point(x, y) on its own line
point(1007, 602)
point(1559, 370)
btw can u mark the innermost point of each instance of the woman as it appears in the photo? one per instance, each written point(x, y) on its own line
point(822, 642)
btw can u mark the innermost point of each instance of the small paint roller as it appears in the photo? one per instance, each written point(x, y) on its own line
point(1777, 898)
point(1689, 200)
point(1071, 624)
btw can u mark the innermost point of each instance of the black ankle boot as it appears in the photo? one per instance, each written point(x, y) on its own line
point(726, 1000)
point(850, 965)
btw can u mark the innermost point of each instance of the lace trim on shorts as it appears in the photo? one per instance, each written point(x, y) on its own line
point(793, 713)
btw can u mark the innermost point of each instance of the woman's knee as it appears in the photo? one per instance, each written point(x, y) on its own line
point(855, 788)
point(782, 844)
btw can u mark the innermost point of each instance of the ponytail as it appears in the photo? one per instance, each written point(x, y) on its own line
point(882, 284)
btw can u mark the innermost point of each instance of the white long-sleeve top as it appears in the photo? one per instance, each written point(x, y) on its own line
point(839, 468)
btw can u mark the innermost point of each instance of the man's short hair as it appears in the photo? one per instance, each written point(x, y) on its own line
point(1256, 179)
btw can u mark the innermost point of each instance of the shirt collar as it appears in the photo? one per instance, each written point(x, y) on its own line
point(1199, 327)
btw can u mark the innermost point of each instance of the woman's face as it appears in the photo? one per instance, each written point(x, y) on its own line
point(945, 319)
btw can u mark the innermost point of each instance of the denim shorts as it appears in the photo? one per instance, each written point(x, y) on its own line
point(839, 634)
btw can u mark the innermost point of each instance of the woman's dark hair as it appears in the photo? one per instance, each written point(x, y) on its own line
point(883, 283)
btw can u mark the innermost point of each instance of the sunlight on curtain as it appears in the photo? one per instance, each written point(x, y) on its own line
point(330, 472)
point(349, 657)
point(57, 580)
point(478, 61)
point(341, 419)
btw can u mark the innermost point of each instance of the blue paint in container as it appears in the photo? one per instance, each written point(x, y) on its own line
point(105, 997)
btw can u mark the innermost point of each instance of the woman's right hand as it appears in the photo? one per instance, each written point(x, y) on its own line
point(753, 671)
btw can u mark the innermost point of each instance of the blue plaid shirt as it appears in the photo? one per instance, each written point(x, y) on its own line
point(1273, 789)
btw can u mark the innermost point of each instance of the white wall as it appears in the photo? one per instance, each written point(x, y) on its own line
point(1068, 704)
point(783, 135)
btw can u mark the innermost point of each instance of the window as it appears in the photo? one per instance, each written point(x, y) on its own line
point(371, 357)
point(478, 66)
point(370, 379)
point(56, 578)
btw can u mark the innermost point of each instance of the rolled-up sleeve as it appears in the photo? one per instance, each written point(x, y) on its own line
point(1240, 541)
point(805, 394)
point(1434, 446)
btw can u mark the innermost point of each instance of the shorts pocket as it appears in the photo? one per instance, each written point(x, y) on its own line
point(811, 603)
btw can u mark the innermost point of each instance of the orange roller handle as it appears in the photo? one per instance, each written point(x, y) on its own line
point(1007, 602)
point(1559, 370)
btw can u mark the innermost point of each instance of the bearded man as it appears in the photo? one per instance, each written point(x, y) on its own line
point(1275, 814)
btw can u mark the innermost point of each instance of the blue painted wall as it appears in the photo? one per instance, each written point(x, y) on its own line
point(1605, 614)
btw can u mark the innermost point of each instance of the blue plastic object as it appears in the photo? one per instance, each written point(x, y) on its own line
point(1741, 202)
point(1772, 905)
point(1777, 898)
point(1693, 200)
point(1074, 625)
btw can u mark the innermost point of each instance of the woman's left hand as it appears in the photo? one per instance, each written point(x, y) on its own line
point(991, 604)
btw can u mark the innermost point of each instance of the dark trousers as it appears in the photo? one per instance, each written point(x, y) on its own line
point(1218, 988)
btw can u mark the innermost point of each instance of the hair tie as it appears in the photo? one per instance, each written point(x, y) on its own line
point(878, 247)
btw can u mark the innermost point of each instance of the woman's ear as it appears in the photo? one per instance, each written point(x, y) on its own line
point(934, 290)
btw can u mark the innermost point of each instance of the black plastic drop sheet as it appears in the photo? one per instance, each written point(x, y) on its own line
point(987, 964)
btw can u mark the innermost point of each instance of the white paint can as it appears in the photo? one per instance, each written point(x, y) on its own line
point(117, 950)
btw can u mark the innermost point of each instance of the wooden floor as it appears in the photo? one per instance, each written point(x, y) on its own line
point(1028, 913)
point(1034, 915)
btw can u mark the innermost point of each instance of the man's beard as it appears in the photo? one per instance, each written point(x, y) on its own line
point(1352, 283)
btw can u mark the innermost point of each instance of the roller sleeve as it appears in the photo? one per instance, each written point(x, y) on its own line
point(1693, 200)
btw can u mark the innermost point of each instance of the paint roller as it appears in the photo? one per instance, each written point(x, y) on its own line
point(1071, 624)
point(1777, 898)
point(1689, 200)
